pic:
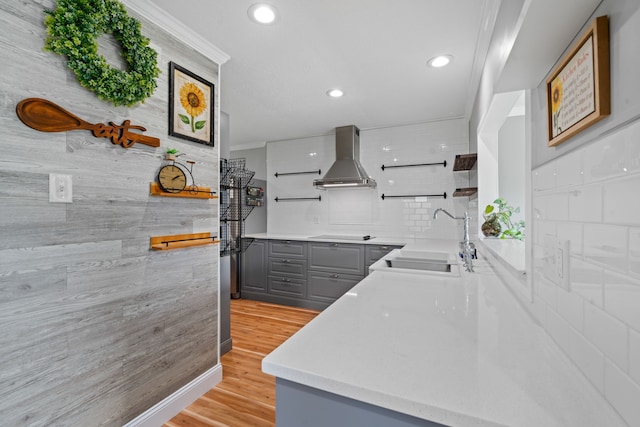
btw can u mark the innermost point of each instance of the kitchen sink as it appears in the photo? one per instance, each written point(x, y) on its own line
point(427, 264)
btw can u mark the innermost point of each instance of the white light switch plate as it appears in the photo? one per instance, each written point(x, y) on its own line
point(556, 261)
point(60, 188)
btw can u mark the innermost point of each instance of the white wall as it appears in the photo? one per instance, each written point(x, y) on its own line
point(362, 211)
point(586, 191)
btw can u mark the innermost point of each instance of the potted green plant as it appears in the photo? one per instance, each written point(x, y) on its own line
point(170, 154)
point(498, 221)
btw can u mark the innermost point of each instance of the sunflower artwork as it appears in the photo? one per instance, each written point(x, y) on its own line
point(556, 104)
point(190, 106)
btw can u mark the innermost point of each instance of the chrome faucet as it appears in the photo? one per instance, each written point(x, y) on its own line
point(468, 250)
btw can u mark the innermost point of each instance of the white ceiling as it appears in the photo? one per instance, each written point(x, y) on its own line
point(274, 85)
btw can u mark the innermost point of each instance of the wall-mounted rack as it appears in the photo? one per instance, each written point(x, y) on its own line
point(199, 193)
point(464, 192)
point(282, 199)
point(443, 195)
point(179, 241)
point(277, 174)
point(444, 163)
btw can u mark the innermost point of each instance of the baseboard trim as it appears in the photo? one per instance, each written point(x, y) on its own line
point(169, 407)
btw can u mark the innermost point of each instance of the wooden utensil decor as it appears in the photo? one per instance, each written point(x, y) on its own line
point(47, 116)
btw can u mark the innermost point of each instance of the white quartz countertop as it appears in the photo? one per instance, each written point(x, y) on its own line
point(374, 240)
point(455, 350)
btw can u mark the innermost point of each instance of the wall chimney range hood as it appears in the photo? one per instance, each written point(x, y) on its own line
point(346, 171)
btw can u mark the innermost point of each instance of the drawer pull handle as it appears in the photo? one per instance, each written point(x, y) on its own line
point(384, 247)
point(335, 245)
point(286, 242)
point(335, 276)
point(286, 261)
point(285, 280)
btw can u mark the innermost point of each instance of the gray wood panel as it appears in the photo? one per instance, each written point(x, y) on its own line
point(96, 327)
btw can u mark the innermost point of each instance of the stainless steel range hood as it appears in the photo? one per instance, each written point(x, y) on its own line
point(346, 171)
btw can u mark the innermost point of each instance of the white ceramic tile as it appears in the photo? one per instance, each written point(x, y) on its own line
point(623, 393)
point(622, 298)
point(621, 201)
point(634, 251)
point(568, 170)
point(558, 207)
point(558, 328)
point(571, 307)
point(585, 203)
point(608, 334)
point(615, 155)
point(586, 281)
point(543, 178)
point(572, 232)
point(606, 245)
point(634, 355)
point(588, 358)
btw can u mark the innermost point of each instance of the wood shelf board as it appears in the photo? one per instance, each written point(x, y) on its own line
point(205, 192)
point(465, 162)
point(464, 192)
point(178, 241)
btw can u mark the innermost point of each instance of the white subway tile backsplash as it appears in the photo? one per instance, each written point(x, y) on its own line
point(586, 281)
point(623, 393)
point(606, 245)
point(558, 207)
point(588, 358)
point(585, 204)
point(568, 171)
point(572, 231)
point(543, 178)
point(559, 329)
point(608, 334)
point(634, 251)
point(621, 203)
point(634, 355)
point(622, 298)
point(613, 156)
point(571, 307)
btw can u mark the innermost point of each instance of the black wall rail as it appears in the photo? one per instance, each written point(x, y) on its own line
point(444, 163)
point(298, 173)
point(282, 199)
point(443, 195)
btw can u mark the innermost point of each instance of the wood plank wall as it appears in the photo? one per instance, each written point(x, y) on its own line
point(96, 328)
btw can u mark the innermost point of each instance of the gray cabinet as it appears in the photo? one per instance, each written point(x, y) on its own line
point(254, 268)
point(328, 287)
point(302, 274)
point(373, 253)
point(336, 257)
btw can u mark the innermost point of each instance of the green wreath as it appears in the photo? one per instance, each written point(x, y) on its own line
point(73, 28)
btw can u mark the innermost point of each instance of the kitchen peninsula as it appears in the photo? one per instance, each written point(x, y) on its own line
point(422, 349)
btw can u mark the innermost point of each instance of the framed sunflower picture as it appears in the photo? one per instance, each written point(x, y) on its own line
point(190, 106)
point(578, 89)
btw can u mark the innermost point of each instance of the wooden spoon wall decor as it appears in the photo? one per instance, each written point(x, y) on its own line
point(46, 116)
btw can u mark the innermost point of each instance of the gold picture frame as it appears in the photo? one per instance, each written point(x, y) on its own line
point(191, 106)
point(579, 88)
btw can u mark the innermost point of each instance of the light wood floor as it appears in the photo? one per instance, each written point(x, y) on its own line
point(246, 396)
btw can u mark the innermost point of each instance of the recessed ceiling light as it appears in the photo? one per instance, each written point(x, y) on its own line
point(440, 61)
point(335, 93)
point(262, 13)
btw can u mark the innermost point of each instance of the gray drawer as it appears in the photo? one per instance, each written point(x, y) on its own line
point(288, 267)
point(328, 287)
point(288, 249)
point(337, 258)
point(373, 253)
point(280, 285)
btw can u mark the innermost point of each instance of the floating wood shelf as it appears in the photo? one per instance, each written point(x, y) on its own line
point(202, 193)
point(179, 241)
point(465, 162)
point(464, 192)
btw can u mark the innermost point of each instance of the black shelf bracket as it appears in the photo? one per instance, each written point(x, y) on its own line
point(282, 199)
point(444, 163)
point(443, 195)
point(298, 173)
